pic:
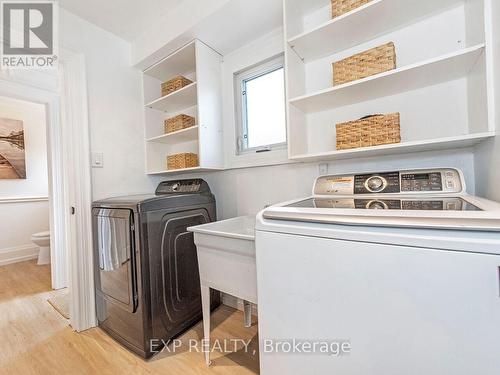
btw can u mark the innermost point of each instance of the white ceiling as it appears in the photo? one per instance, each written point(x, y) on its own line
point(125, 18)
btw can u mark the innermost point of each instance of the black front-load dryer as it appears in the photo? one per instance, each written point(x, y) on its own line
point(147, 279)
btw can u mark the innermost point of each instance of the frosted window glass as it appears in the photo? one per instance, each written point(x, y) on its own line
point(265, 109)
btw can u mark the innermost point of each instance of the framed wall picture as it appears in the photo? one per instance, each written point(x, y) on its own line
point(12, 152)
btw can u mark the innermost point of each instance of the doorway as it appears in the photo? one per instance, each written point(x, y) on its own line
point(24, 193)
point(64, 96)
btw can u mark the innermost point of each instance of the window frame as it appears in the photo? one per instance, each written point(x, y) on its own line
point(241, 78)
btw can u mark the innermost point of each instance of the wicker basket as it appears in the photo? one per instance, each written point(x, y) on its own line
point(181, 161)
point(178, 123)
point(374, 61)
point(340, 7)
point(369, 131)
point(174, 84)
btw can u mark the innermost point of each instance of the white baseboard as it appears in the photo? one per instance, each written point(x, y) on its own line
point(236, 303)
point(18, 254)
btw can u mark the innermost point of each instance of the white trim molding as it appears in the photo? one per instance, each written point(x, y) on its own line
point(59, 224)
point(23, 199)
point(77, 150)
point(18, 254)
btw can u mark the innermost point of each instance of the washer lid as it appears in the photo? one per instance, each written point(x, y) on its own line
point(394, 203)
point(437, 212)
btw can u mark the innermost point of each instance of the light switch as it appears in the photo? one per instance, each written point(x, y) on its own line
point(97, 160)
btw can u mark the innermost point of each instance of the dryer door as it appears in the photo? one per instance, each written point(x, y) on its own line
point(175, 279)
point(114, 251)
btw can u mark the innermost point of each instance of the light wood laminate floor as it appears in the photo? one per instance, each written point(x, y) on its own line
point(35, 339)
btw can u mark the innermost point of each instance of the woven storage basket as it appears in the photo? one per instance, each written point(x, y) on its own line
point(174, 84)
point(340, 7)
point(181, 161)
point(369, 131)
point(374, 61)
point(178, 123)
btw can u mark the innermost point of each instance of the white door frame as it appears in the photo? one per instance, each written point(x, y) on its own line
point(69, 176)
point(76, 146)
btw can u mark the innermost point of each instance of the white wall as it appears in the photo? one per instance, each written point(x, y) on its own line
point(150, 46)
point(115, 107)
point(21, 219)
point(487, 160)
point(222, 24)
point(487, 164)
point(246, 191)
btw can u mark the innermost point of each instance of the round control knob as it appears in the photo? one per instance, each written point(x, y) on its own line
point(375, 184)
point(377, 205)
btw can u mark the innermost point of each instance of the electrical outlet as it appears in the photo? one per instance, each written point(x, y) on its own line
point(97, 160)
point(323, 169)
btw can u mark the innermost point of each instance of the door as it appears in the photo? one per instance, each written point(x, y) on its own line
point(403, 310)
point(115, 262)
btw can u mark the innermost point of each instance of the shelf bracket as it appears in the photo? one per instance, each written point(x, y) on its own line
point(298, 55)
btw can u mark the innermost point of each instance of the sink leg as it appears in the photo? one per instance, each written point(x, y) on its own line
point(247, 309)
point(205, 301)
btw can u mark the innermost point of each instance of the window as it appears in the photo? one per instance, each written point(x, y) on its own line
point(260, 103)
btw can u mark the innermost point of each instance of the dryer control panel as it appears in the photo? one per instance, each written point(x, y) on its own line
point(429, 181)
point(194, 186)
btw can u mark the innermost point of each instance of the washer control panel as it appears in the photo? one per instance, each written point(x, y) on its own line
point(377, 183)
point(398, 182)
point(422, 182)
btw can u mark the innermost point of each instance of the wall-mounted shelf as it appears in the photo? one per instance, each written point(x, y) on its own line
point(181, 136)
point(431, 72)
point(202, 100)
point(441, 86)
point(176, 101)
point(363, 24)
point(399, 148)
point(181, 62)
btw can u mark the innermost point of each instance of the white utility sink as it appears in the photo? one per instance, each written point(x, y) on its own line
point(226, 258)
point(242, 227)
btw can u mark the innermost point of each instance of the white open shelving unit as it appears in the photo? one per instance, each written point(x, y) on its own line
point(202, 99)
point(440, 87)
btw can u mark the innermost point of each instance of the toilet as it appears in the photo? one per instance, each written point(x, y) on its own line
point(42, 240)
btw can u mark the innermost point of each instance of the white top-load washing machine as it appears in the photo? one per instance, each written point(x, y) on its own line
point(380, 274)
